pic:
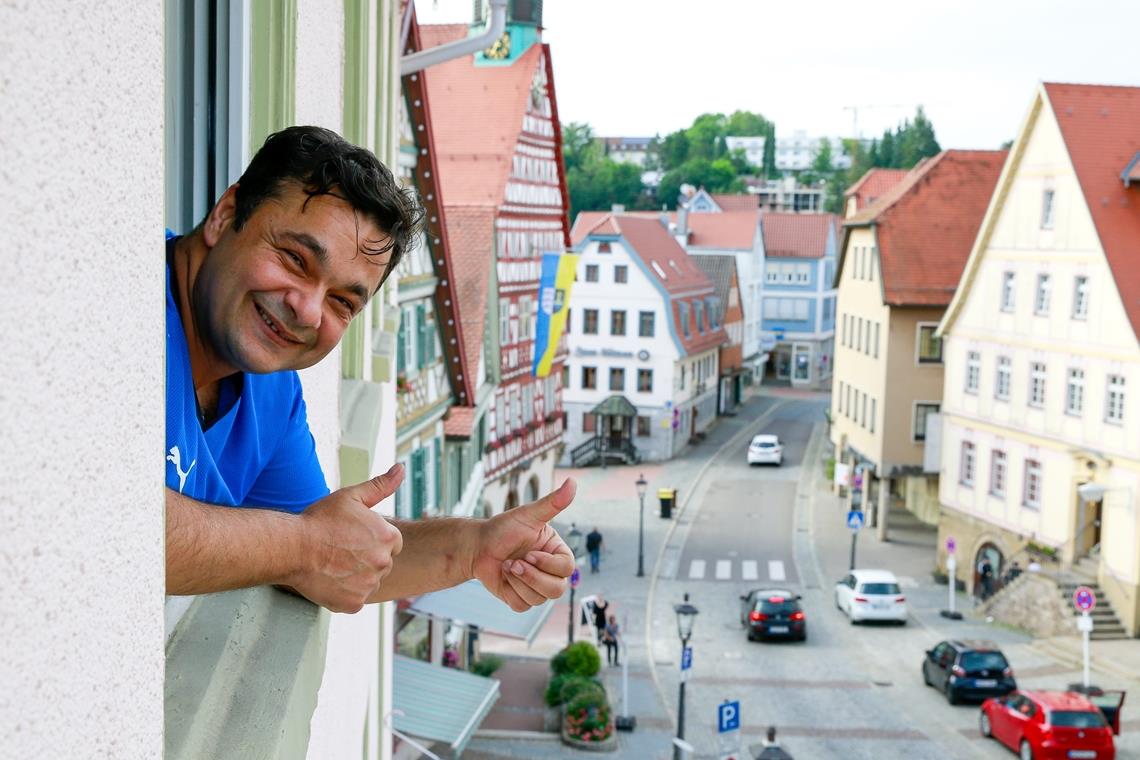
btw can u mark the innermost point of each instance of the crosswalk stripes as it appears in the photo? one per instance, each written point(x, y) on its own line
point(723, 570)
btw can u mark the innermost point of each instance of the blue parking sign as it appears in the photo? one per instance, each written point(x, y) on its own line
point(728, 717)
point(686, 658)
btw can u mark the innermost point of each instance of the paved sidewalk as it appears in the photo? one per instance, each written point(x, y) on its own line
point(607, 498)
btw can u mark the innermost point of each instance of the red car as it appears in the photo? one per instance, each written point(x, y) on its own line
point(1048, 725)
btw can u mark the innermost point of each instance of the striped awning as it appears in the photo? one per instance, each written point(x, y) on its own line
point(471, 603)
point(439, 704)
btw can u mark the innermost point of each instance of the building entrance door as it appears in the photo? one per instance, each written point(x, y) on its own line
point(617, 431)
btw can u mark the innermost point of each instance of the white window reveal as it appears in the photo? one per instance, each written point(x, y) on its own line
point(1075, 392)
point(1047, 208)
point(1114, 400)
point(1041, 302)
point(966, 464)
point(1008, 291)
point(997, 473)
point(973, 371)
point(1080, 297)
point(1002, 382)
point(1037, 384)
point(1031, 490)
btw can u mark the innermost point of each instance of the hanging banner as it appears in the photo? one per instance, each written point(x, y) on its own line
point(553, 302)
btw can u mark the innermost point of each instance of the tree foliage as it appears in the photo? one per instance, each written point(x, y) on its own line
point(595, 181)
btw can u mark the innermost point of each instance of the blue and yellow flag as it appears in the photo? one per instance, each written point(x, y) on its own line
point(553, 301)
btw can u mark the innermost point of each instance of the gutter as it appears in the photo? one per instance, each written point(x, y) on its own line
point(410, 64)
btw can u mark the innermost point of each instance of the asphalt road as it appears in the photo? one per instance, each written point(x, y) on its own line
point(849, 691)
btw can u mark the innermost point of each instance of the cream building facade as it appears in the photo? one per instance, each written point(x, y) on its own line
point(1042, 359)
point(894, 283)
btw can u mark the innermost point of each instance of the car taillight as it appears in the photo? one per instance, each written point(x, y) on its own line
point(900, 598)
point(757, 616)
point(959, 671)
point(797, 616)
point(862, 599)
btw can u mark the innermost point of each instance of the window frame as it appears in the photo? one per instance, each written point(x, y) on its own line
point(1035, 474)
point(617, 373)
point(1075, 379)
point(914, 416)
point(967, 463)
point(586, 315)
point(641, 332)
point(1080, 309)
point(999, 471)
point(973, 372)
point(614, 320)
point(593, 384)
point(1048, 208)
point(1003, 371)
point(1117, 392)
point(644, 373)
point(621, 274)
point(1008, 297)
point(1036, 374)
point(918, 358)
point(1043, 295)
point(592, 273)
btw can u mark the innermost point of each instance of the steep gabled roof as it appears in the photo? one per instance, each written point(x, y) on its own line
point(1101, 129)
point(796, 236)
point(474, 133)
point(726, 230)
point(926, 225)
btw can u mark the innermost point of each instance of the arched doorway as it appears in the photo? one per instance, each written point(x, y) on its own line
point(987, 552)
point(512, 499)
point(532, 489)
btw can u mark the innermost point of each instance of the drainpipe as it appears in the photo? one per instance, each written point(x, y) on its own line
point(409, 64)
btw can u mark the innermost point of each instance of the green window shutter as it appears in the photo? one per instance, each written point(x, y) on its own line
point(421, 329)
point(437, 455)
point(401, 342)
point(273, 63)
point(419, 483)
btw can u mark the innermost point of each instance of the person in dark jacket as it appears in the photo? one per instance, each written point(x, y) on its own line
point(594, 545)
point(601, 608)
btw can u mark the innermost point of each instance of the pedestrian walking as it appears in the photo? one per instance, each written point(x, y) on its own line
point(594, 545)
point(771, 747)
point(987, 571)
point(601, 608)
point(611, 637)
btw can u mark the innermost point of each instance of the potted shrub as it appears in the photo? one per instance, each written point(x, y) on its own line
point(589, 723)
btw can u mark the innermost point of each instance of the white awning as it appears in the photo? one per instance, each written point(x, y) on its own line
point(472, 604)
point(440, 704)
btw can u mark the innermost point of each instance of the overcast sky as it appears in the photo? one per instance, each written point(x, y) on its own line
point(643, 67)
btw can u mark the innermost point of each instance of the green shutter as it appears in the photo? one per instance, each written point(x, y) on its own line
point(419, 483)
point(401, 342)
point(421, 335)
point(437, 455)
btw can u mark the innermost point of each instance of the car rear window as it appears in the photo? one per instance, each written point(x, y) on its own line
point(784, 605)
point(984, 661)
point(1077, 719)
point(880, 588)
point(763, 444)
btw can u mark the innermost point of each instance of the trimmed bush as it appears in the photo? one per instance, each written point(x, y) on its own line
point(487, 665)
point(580, 658)
point(553, 694)
point(574, 686)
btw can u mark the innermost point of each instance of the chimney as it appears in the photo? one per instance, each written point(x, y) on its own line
point(681, 233)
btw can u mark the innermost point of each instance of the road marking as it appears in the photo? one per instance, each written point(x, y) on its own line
point(750, 570)
point(723, 569)
point(697, 569)
point(776, 570)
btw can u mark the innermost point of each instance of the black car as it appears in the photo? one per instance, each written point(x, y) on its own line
point(772, 613)
point(967, 669)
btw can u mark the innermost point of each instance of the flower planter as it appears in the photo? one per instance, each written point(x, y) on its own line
point(609, 744)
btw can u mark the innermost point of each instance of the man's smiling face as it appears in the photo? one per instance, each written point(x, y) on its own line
point(279, 293)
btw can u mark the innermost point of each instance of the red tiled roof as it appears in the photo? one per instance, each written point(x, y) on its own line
point(1101, 129)
point(668, 262)
point(796, 236)
point(478, 114)
point(460, 422)
point(728, 230)
point(873, 185)
point(926, 224)
point(737, 201)
point(470, 232)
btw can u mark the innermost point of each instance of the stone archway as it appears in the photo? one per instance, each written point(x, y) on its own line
point(991, 552)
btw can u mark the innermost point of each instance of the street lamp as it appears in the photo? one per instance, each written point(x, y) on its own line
point(642, 487)
point(686, 616)
point(574, 541)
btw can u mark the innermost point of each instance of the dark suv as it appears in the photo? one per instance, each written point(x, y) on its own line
point(770, 613)
point(967, 669)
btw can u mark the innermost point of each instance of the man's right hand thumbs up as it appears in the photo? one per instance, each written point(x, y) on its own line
point(346, 548)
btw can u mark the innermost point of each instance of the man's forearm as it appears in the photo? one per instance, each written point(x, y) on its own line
point(210, 548)
point(438, 553)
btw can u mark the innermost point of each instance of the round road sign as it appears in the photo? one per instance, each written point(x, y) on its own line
point(1084, 599)
point(951, 545)
point(575, 577)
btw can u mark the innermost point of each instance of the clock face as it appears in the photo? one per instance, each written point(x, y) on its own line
point(501, 49)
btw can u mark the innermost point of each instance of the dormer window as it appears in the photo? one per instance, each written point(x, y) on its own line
point(603, 247)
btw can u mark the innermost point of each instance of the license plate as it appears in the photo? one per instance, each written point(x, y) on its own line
point(985, 683)
point(881, 605)
point(1081, 754)
point(778, 629)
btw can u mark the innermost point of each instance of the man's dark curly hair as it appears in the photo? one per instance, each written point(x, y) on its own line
point(324, 163)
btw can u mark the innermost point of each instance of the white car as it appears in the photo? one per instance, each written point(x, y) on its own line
point(871, 595)
point(766, 449)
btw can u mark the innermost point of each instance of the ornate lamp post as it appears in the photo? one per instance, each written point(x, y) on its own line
point(686, 616)
point(642, 486)
point(574, 541)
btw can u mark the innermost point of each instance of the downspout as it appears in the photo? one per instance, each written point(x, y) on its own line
point(409, 64)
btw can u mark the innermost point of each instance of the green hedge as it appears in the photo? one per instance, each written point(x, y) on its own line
point(580, 658)
point(487, 665)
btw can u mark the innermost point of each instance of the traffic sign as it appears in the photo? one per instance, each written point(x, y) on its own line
point(857, 484)
point(575, 578)
point(728, 717)
point(951, 544)
point(686, 658)
point(855, 520)
point(1084, 599)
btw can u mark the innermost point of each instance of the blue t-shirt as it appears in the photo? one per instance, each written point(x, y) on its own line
point(259, 451)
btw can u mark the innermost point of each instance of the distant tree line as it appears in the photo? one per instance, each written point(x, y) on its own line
point(698, 155)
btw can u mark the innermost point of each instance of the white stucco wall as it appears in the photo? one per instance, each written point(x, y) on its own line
point(81, 389)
